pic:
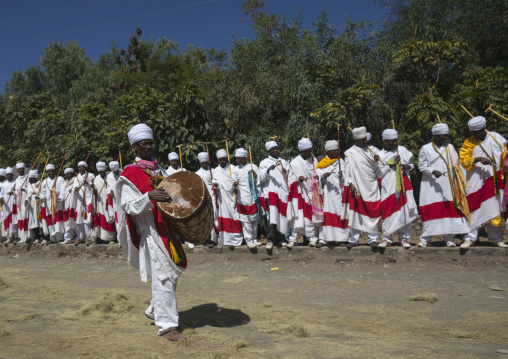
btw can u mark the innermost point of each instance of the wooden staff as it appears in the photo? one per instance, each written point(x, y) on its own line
point(120, 158)
point(209, 164)
point(338, 140)
point(379, 159)
point(438, 118)
point(314, 166)
point(230, 172)
point(398, 162)
point(251, 169)
point(39, 189)
point(497, 113)
point(465, 109)
point(58, 174)
point(89, 152)
point(180, 155)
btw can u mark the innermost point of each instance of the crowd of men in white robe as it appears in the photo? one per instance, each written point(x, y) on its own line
point(331, 201)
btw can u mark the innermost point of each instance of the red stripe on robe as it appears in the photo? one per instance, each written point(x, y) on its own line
point(390, 205)
point(242, 209)
point(229, 225)
point(334, 220)
point(475, 199)
point(274, 200)
point(439, 210)
point(358, 205)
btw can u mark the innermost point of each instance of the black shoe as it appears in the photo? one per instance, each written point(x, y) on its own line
point(350, 245)
point(374, 244)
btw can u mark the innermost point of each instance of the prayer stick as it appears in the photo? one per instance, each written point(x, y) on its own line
point(497, 113)
point(398, 162)
point(31, 168)
point(465, 109)
point(251, 169)
point(120, 158)
point(338, 140)
point(180, 155)
point(89, 152)
point(229, 163)
point(373, 154)
point(209, 164)
point(54, 184)
point(438, 118)
point(40, 184)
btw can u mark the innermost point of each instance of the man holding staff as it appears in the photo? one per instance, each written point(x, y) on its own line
point(147, 242)
point(20, 195)
point(2, 231)
point(174, 163)
point(112, 178)
point(9, 207)
point(51, 206)
point(83, 194)
point(68, 198)
point(103, 222)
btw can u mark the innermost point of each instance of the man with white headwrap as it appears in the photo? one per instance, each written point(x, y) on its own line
point(103, 220)
point(2, 231)
point(205, 172)
point(225, 180)
point(20, 195)
point(9, 206)
point(304, 168)
point(439, 215)
point(174, 163)
point(331, 174)
point(361, 197)
point(482, 157)
point(51, 207)
point(112, 178)
point(147, 241)
point(31, 207)
point(247, 197)
point(82, 188)
point(68, 198)
point(279, 186)
point(398, 205)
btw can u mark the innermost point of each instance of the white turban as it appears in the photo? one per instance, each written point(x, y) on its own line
point(304, 144)
point(241, 152)
point(440, 129)
point(114, 166)
point(203, 157)
point(33, 174)
point(173, 156)
point(222, 154)
point(369, 136)
point(9, 170)
point(82, 163)
point(331, 145)
point(101, 166)
point(68, 170)
point(477, 123)
point(140, 132)
point(390, 134)
point(20, 165)
point(359, 133)
point(50, 167)
point(2, 172)
point(270, 144)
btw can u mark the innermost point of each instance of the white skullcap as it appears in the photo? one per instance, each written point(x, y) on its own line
point(477, 123)
point(33, 174)
point(203, 157)
point(369, 136)
point(82, 163)
point(241, 152)
point(50, 167)
point(68, 170)
point(101, 166)
point(20, 165)
point(173, 156)
point(331, 145)
point(140, 132)
point(390, 134)
point(440, 129)
point(359, 133)
point(222, 154)
point(114, 166)
point(9, 170)
point(270, 144)
point(2, 172)
point(304, 144)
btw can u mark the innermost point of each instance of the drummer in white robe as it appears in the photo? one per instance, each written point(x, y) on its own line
point(438, 213)
point(224, 177)
point(68, 198)
point(249, 210)
point(20, 195)
point(9, 206)
point(205, 172)
point(112, 179)
point(83, 203)
point(174, 163)
point(103, 221)
point(396, 213)
point(331, 174)
point(305, 224)
point(51, 206)
point(32, 208)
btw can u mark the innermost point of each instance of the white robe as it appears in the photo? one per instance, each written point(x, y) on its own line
point(112, 179)
point(103, 220)
point(439, 216)
point(22, 216)
point(395, 214)
point(207, 179)
point(83, 198)
point(68, 198)
point(52, 225)
point(10, 209)
point(171, 170)
point(2, 230)
point(31, 205)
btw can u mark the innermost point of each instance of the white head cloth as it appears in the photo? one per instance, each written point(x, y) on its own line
point(114, 166)
point(68, 170)
point(140, 132)
point(359, 133)
point(331, 145)
point(9, 170)
point(203, 157)
point(33, 174)
point(82, 163)
point(101, 166)
point(20, 165)
point(241, 152)
point(173, 156)
point(304, 144)
point(369, 136)
point(2, 172)
point(477, 123)
point(50, 167)
point(440, 129)
point(390, 134)
point(270, 144)
point(222, 154)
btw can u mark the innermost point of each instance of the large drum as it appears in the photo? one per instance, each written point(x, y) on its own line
point(190, 214)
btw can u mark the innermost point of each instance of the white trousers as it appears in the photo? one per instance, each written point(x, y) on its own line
point(447, 238)
point(69, 234)
point(163, 304)
point(83, 230)
point(495, 234)
point(250, 230)
point(403, 232)
point(355, 236)
point(311, 231)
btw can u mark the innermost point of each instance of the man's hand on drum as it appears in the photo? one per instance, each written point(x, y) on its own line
point(159, 195)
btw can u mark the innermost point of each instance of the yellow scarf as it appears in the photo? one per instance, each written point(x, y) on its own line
point(325, 162)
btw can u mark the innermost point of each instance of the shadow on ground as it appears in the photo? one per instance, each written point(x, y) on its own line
point(213, 315)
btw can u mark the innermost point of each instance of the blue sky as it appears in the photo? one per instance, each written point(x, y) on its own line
point(28, 26)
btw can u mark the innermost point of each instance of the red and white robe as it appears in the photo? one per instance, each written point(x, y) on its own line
point(103, 216)
point(22, 217)
point(10, 209)
point(112, 179)
point(230, 228)
point(68, 198)
point(32, 207)
point(245, 202)
point(52, 225)
point(207, 179)
point(334, 228)
point(83, 203)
